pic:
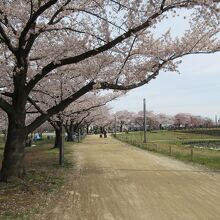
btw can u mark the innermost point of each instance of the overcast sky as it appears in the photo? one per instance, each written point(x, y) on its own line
point(196, 90)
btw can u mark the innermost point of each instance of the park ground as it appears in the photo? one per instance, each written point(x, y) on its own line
point(112, 180)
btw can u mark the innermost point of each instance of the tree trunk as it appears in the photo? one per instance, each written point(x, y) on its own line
point(58, 138)
point(13, 162)
point(69, 130)
point(121, 127)
point(69, 135)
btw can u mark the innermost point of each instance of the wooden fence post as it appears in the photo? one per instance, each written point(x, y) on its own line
point(191, 154)
point(170, 151)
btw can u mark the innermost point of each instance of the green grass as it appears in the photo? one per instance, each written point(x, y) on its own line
point(207, 131)
point(178, 144)
point(16, 216)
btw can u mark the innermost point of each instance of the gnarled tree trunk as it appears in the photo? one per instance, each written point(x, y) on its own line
point(69, 130)
point(13, 162)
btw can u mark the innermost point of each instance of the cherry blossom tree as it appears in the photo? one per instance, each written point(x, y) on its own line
point(207, 122)
point(123, 118)
point(182, 120)
point(161, 120)
point(74, 115)
point(152, 120)
point(165, 120)
point(99, 118)
point(103, 44)
point(105, 120)
point(85, 111)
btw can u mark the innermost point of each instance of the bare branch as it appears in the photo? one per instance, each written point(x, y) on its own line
point(104, 19)
point(6, 40)
point(8, 24)
point(126, 59)
point(57, 13)
point(162, 4)
point(6, 106)
point(33, 19)
point(32, 112)
point(72, 30)
point(35, 105)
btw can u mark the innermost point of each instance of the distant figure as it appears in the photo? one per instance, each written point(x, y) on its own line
point(36, 136)
point(105, 134)
point(100, 135)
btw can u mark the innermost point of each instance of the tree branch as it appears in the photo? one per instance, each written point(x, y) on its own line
point(7, 40)
point(75, 59)
point(73, 30)
point(72, 60)
point(162, 4)
point(104, 19)
point(126, 59)
point(33, 19)
point(6, 106)
point(7, 23)
point(60, 107)
point(88, 109)
point(57, 13)
point(35, 105)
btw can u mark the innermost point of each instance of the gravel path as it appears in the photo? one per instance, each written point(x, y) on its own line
point(114, 181)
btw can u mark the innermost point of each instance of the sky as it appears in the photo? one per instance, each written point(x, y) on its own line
point(195, 90)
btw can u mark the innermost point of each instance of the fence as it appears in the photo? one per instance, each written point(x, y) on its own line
point(175, 149)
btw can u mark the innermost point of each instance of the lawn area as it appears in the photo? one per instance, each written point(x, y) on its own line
point(197, 147)
point(44, 177)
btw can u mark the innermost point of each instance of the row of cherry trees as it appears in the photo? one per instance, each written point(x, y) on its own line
point(94, 112)
point(89, 110)
point(90, 45)
point(131, 120)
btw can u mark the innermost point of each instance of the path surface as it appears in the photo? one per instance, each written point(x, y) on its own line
point(114, 181)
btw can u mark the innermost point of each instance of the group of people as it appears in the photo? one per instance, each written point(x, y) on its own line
point(37, 136)
point(104, 132)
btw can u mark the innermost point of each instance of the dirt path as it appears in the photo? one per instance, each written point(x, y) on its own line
point(114, 181)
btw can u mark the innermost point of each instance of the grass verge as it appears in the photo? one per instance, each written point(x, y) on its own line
point(193, 147)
